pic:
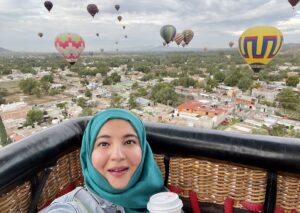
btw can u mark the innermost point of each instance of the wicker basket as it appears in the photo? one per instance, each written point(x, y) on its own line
point(213, 181)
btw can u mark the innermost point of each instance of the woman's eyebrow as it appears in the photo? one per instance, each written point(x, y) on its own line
point(129, 135)
point(103, 136)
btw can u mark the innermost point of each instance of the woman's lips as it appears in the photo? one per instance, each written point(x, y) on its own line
point(118, 171)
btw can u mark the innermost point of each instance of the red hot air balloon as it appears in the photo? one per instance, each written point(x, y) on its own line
point(120, 18)
point(117, 7)
point(48, 5)
point(92, 9)
point(294, 2)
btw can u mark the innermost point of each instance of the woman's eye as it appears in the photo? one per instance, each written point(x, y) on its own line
point(103, 144)
point(130, 142)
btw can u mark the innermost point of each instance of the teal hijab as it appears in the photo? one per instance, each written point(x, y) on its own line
point(147, 179)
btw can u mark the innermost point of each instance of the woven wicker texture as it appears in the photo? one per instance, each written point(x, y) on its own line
point(63, 174)
point(17, 200)
point(288, 192)
point(213, 181)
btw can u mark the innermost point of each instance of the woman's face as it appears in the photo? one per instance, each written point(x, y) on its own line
point(117, 152)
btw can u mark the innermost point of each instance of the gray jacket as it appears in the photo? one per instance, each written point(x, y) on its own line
point(81, 200)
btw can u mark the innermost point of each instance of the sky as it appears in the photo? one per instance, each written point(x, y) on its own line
point(214, 22)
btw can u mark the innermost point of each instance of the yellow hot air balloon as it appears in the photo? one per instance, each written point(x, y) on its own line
point(258, 45)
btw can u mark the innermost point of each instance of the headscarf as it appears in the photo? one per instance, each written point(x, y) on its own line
point(146, 180)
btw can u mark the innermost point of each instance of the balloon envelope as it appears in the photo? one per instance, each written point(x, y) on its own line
point(294, 2)
point(168, 33)
point(187, 36)
point(48, 5)
point(119, 18)
point(231, 43)
point(40, 34)
point(70, 45)
point(97, 34)
point(124, 27)
point(117, 7)
point(258, 45)
point(178, 38)
point(92, 9)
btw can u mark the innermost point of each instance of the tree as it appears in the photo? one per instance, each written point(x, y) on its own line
point(131, 102)
point(33, 116)
point(116, 100)
point(88, 94)
point(278, 130)
point(47, 78)
point(245, 83)
point(135, 85)
point(107, 81)
point(219, 76)
point(4, 139)
point(28, 85)
point(164, 93)
point(288, 99)
point(81, 102)
point(115, 77)
point(86, 112)
point(292, 81)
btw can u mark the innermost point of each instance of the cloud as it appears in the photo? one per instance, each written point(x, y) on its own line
point(214, 22)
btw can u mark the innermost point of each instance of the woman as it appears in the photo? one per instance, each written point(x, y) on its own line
point(119, 170)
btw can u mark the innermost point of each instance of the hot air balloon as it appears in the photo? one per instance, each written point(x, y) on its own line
point(183, 44)
point(125, 36)
point(187, 36)
point(294, 2)
point(48, 5)
point(102, 50)
point(178, 38)
point(231, 43)
point(70, 45)
point(97, 34)
point(117, 7)
point(258, 45)
point(92, 9)
point(116, 42)
point(168, 33)
point(119, 18)
point(124, 27)
point(40, 35)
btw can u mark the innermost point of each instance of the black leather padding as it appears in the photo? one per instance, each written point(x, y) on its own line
point(19, 161)
point(268, 152)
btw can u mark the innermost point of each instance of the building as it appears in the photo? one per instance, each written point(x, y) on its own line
point(201, 113)
point(16, 110)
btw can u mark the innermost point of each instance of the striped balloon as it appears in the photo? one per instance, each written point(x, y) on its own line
point(188, 36)
point(178, 38)
point(168, 32)
point(70, 45)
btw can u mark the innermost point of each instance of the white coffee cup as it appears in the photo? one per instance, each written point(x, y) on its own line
point(164, 202)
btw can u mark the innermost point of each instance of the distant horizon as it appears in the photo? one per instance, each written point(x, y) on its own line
point(148, 49)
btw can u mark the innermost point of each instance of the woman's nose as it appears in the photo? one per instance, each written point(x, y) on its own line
point(117, 153)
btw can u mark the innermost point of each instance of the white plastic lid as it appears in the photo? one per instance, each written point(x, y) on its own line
point(164, 202)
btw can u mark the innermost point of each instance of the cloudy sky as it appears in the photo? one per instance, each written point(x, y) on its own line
point(214, 22)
